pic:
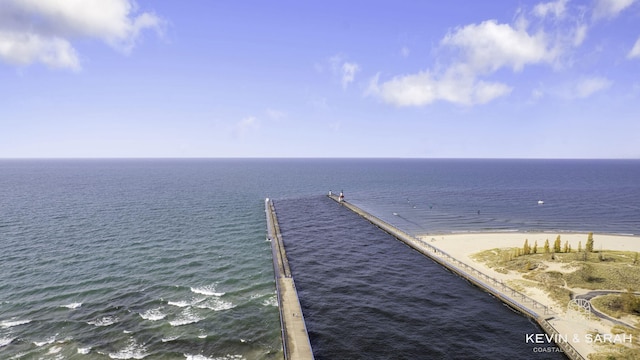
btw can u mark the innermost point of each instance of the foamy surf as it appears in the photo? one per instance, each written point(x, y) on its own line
point(208, 290)
point(54, 350)
point(48, 341)
point(186, 317)
point(104, 321)
point(132, 351)
point(84, 350)
point(196, 357)
point(202, 357)
point(215, 305)
point(153, 314)
point(272, 301)
point(186, 303)
point(72, 305)
point(4, 341)
point(11, 323)
point(181, 303)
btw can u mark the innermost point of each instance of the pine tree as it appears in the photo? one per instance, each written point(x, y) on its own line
point(526, 250)
point(589, 246)
point(557, 245)
point(546, 246)
point(535, 247)
point(579, 246)
point(566, 247)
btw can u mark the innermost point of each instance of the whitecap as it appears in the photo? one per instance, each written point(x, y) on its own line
point(216, 305)
point(179, 303)
point(202, 357)
point(208, 290)
point(48, 341)
point(272, 301)
point(11, 323)
point(186, 317)
point(197, 357)
point(132, 351)
point(72, 305)
point(153, 314)
point(84, 350)
point(4, 341)
point(104, 321)
point(171, 338)
point(55, 349)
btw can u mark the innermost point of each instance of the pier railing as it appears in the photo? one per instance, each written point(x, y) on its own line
point(468, 272)
point(493, 286)
point(566, 347)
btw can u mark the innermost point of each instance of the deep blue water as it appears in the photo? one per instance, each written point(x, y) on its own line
point(167, 259)
point(366, 295)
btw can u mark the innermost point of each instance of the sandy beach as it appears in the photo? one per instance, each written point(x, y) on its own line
point(576, 329)
point(463, 245)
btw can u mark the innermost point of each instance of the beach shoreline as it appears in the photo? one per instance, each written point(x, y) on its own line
point(577, 330)
point(572, 330)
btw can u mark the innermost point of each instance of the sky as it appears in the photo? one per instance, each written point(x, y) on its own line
point(414, 79)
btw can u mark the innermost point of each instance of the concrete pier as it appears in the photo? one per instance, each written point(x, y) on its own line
point(295, 339)
point(513, 298)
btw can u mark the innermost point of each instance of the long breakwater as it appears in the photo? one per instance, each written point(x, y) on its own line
point(295, 340)
point(541, 313)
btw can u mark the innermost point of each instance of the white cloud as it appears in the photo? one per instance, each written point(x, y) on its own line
point(348, 73)
point(589, 86)
point(489, 46)
point(580, 34)
point(610, 8)
point(457, 85)
point(635, 51)
point(25, 48)
point(555, 8)
point(344, 69)
point(481, 50)
point(49, 26)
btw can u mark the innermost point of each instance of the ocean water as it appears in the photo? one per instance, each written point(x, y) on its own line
point(167, 259)
point(366, 295)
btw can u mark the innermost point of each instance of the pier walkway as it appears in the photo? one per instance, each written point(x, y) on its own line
point(542, 314)
point(295, 339)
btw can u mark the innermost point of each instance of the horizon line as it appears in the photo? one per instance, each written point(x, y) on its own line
point(309, 158)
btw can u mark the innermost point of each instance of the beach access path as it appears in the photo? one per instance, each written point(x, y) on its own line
point(576, 328)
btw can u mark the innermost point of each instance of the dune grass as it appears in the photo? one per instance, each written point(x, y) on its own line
point(620, 351)
point(603, 270)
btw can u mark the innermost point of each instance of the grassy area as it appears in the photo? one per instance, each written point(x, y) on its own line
point(604, 270)
point(619, 351)
point(619, 305)
point(557, 273)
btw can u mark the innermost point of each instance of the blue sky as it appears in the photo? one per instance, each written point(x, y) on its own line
point(470, 79)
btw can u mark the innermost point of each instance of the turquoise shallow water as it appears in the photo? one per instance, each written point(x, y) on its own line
point(167, 259)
